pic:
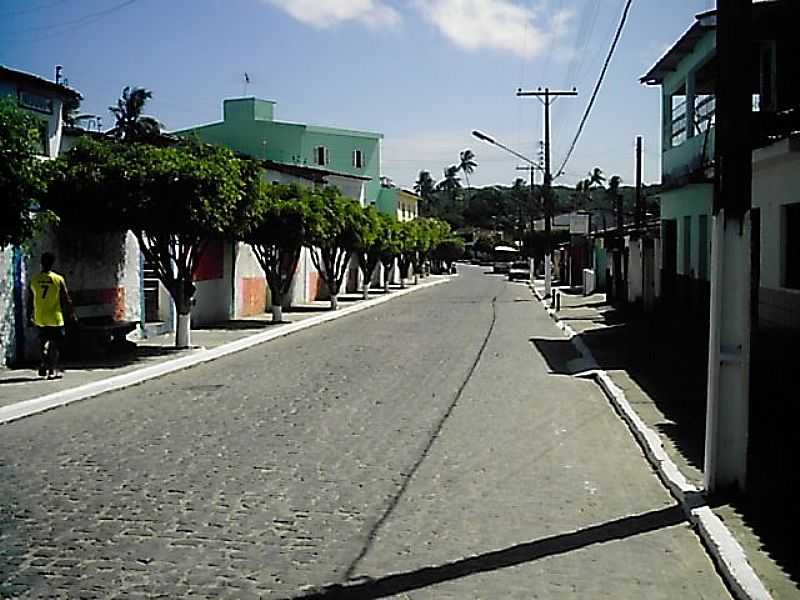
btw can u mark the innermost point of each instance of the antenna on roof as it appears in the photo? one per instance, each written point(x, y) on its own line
point(246, 82)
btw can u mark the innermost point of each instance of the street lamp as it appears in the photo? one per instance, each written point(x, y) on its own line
point(547, 207)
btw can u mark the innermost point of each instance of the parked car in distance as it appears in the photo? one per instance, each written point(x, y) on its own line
point(503, 257)
point(519, 270)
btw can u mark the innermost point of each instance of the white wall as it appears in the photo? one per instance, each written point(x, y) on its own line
point(776, 182)
point(54, 123)
point(352, 188)
point(635, 275)
point(7, 321)
point(247, 268)
point(214, 296)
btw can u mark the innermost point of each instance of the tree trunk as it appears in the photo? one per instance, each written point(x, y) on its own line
point(334, 302)
point(277, 313)
point(183, 332)
point(277, 308)
point(182, 293)
point(365, 290)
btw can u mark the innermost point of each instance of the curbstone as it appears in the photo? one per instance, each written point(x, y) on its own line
point(725, 551)
point(34, 406)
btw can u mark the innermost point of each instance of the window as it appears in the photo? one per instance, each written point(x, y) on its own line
point(358, 159)
point(321, 156)
point(791, 247)
point(678, 123)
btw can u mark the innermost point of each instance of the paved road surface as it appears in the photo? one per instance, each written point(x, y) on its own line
point(425, 448)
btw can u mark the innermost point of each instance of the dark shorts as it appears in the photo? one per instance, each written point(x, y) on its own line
point(51, 334)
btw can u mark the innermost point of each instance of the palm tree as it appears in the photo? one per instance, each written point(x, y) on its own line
point(425, 187)
point(596, 178)
point(132, 125)
point(613, 185)
point(616, 199)
point(451, 182)
point(467, 164)
point(450, 185)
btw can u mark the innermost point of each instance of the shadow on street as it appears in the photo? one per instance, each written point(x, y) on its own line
point(500, 559)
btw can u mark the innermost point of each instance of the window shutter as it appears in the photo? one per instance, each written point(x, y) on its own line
point(327, 157)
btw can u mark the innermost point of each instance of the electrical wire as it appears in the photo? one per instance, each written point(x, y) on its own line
point(596, 90)
point(25, 11)
point(583, 38)
point(65, 26)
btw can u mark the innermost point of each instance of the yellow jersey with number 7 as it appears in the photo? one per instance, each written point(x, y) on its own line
point(46, 288)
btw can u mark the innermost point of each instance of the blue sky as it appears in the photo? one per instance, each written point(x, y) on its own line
point(425, 73)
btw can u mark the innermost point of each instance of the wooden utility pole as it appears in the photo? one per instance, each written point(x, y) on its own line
point(730, 318)
point(547, 97)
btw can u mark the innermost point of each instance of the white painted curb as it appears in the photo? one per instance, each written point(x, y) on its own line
point(727, 553)
point(27, 408)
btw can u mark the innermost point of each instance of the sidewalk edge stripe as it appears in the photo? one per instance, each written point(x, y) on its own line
point(27, 408)
point(727, 553)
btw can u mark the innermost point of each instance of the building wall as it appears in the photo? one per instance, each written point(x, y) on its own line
point(386, 201)
point(251, 290)
point(355, 189)
point(248, 128)
point(214, 281)
point(341, 144)
point(691, 201)
point(407, 206)
point(53, 119)
point(776, 184)
point(7, 319)
point(102, 272)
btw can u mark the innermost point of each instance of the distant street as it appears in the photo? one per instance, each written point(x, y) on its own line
point(425, 448)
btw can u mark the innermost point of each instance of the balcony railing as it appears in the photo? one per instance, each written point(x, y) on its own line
point(688, 160)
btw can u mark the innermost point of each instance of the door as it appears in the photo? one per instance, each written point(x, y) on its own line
point(669, 262)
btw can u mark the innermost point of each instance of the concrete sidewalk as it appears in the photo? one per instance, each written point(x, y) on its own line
point(664, 386)
point(22, 385)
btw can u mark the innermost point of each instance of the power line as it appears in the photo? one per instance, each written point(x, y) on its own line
point(25, 11)
point(80, 21)
point(597, 86)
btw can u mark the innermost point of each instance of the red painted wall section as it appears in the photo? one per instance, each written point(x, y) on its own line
point(317, 287)
point(212, 262)
point(112, 300)
point(254, 296)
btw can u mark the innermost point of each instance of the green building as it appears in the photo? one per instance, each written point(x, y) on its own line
point(347, 158)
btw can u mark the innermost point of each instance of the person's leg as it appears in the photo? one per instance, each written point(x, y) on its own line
point(54, 354)
point(43, 350)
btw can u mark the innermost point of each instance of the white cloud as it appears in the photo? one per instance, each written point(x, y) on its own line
point(322, 14)
point(503, 25)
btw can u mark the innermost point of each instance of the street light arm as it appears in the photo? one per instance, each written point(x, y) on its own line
point(485, 138)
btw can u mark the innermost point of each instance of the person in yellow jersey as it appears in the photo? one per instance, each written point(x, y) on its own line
point(50, 300)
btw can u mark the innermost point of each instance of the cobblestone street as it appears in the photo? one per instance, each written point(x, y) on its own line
point(427, 432)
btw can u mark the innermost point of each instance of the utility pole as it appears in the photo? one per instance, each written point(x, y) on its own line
point(547, 188)
point(646, 245)
point(639, 196)
point(730, 316)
